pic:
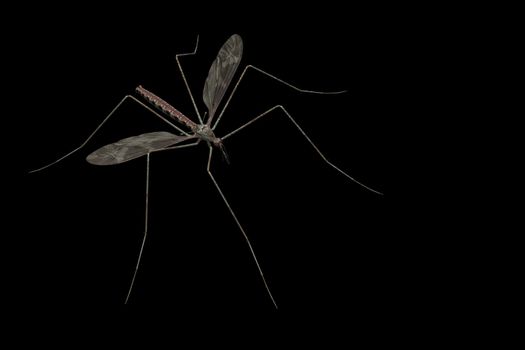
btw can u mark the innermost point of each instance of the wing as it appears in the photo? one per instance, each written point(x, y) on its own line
point(221, 73)
point(133, 147)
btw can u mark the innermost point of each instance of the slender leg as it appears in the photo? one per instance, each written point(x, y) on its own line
point(145, 230)
point(240, 227)
point(175, 147)
point(146, 211)
point(103, 122)
point(307, 138)
point(184, 77)
point(273, 77)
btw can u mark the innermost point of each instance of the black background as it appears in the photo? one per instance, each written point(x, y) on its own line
point(325, 243)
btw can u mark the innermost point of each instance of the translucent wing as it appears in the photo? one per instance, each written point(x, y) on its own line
point(133, 147)
point(221, 73)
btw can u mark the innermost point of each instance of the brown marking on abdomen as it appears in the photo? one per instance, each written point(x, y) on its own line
point(165, 107)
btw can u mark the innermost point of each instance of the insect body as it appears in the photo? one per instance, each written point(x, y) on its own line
point(219, 77)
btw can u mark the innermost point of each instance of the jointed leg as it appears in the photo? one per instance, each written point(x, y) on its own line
point(240, 227)
point(146, 212)
point(180, 146)
point(103, 122)
point(273, 77)
point(307, 138)
point(145, 230)
point(184, 77)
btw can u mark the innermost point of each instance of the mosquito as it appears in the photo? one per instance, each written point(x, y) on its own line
point(190, 133)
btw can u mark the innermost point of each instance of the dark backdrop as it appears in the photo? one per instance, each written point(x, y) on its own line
point(324, 243)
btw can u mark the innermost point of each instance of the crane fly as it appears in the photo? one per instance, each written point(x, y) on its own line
point(190, 133)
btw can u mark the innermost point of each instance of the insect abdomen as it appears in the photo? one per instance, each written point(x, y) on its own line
point(164, 106)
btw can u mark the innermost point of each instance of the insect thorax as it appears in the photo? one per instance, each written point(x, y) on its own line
point(206, 133)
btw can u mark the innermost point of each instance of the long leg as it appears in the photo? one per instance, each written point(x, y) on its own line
point(146, 214)
point(103, 122)
point(273, 77)
point(184, 77)
point(304, 134)
point(145, 230)
point(180, 146)
point(240, 227)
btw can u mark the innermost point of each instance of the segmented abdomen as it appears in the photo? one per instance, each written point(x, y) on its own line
point(165, 107)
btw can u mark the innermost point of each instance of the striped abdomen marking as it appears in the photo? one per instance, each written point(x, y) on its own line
point(165, 107)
